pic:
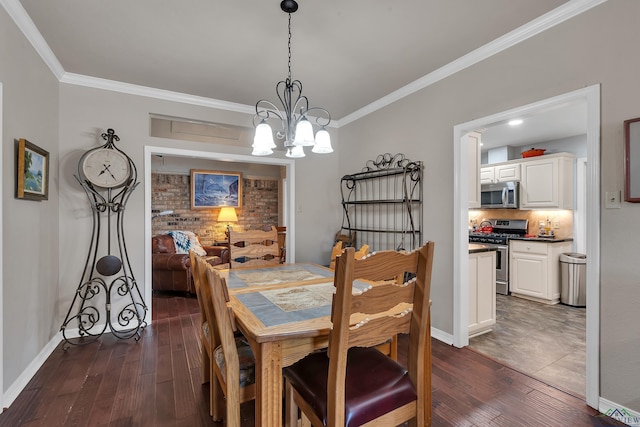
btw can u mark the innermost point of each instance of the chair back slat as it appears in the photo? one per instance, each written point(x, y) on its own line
point(386, 265)
point(372, 332)
point(382, 297)
point(254, 247)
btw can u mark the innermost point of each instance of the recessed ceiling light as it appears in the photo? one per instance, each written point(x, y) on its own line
point(515, 122)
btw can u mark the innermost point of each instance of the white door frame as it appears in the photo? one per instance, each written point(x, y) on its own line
point(591, 95)
point(1, 266)
point(289, 199)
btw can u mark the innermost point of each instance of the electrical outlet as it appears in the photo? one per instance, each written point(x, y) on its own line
point(612, 199)
point(556, 225)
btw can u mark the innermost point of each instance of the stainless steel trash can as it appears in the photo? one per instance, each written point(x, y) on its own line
point(573, 279)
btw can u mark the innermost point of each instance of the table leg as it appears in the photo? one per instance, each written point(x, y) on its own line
point(269, 384)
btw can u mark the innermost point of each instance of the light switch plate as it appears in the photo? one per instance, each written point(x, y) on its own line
point(612, 199)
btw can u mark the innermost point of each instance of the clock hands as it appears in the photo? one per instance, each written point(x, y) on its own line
point(106, 169)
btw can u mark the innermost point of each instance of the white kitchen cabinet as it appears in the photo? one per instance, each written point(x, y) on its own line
point(473, 143)
point(547, 182)
point(482, 292)
point(535, 269)
point(500, 173)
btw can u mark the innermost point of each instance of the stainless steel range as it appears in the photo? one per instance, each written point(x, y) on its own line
point(497, 234)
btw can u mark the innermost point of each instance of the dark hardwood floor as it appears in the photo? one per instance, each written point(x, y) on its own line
point(156, 382)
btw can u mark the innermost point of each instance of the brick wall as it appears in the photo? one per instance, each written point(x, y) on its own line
point(172, 192)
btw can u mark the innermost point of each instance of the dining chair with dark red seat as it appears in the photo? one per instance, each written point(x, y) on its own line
point(352, 383)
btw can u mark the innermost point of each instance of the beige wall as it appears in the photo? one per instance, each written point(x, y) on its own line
point(595, 47)
point(30, 228)
point(85, 113)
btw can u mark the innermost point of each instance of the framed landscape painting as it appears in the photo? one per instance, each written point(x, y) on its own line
point(213, 189)
point(32, 182)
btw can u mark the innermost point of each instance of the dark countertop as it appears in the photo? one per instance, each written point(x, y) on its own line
point(475, 248)
point(543, 239)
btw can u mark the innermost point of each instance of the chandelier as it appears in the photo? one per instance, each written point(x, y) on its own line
point(297, 130)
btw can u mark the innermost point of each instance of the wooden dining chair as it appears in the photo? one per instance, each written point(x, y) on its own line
point(233, 360)
point(208, 333)
point(253, 247)
point(357, 385)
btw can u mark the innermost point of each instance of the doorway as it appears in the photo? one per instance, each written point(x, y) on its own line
point(590, 95)
point(288, 191)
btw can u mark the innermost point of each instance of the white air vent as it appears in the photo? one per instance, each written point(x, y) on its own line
point(193, 130)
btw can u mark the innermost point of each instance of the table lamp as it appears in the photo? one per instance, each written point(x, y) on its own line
point(227, 214)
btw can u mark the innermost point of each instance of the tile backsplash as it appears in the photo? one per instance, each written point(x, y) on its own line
point(562, 218)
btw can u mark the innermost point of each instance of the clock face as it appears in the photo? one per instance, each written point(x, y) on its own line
point(106, 168)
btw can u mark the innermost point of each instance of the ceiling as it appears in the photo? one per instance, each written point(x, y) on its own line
point(349, 55)
point(551, 123)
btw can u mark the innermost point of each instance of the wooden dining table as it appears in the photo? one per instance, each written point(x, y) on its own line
point(284, 312)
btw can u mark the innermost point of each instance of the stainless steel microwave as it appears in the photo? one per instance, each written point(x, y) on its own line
point(502, 195)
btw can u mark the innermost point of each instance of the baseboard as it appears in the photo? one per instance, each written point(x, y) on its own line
point(620, 413)
point(30, 371)
point(441, 336)
point(21, 382)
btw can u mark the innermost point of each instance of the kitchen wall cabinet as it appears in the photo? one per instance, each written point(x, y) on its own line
point(500, 173)
point(473, 143)
point(482, 292)
point(535, 269)
point(547, 182)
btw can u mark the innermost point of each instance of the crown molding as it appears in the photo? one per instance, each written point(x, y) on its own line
point(167, 95)
point(558, 15)
point(548, 20)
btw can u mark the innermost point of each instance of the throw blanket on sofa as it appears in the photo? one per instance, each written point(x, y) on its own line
point(186, 241)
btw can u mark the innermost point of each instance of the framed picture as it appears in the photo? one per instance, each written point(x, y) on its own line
point(632, 160)
point(213, 189)
point(32, 182)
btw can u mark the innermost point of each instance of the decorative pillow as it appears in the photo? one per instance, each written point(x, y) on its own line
point(186, 241)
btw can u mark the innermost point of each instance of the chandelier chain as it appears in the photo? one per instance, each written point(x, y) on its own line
point(289, 46)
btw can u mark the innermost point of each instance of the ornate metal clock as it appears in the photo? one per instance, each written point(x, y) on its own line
point(107, 296)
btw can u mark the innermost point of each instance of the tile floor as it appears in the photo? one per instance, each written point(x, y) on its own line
point(544, 341)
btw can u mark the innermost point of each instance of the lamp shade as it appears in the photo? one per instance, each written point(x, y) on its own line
point(263, 140)
point(323, 142)
point(304, 133)
point(227, 214)
point(295, 152)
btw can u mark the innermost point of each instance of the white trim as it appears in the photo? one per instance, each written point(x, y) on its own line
point(167, 95)
point(591, 95)
point(2, 397)
point(592, 392)
point(23, 21)
point(579, 218)
point(289, 191)
point(441, 336)
point(607, 405)
point(548, 20)
point(30, 371)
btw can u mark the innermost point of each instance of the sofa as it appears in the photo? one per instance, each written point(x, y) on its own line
point(171, 271)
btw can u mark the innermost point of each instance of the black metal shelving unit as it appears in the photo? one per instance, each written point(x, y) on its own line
point(382, 203)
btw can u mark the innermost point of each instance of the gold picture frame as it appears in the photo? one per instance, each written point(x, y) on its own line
point(32, 182)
